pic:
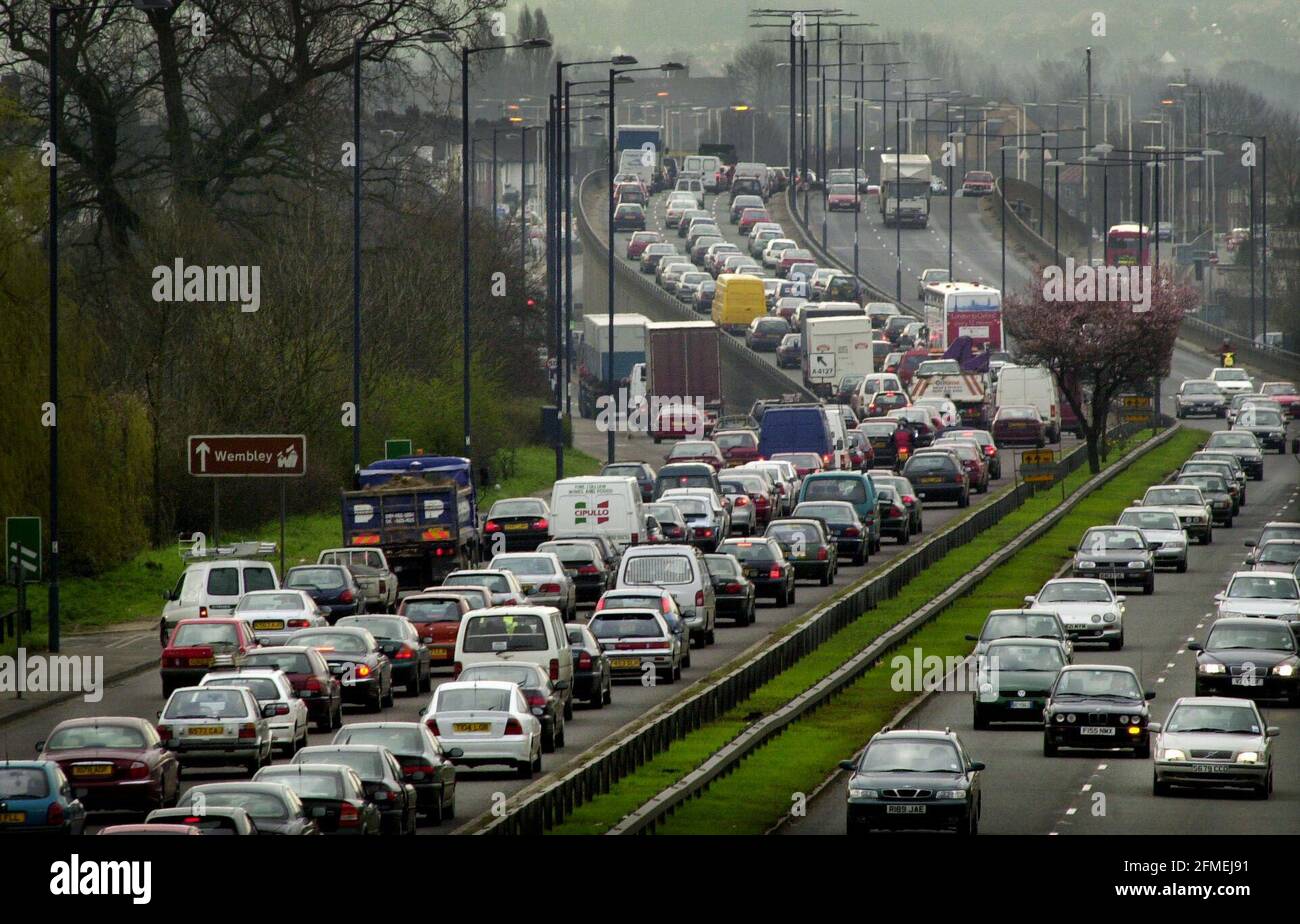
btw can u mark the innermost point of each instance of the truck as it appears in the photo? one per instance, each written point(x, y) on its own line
point(905, 189)
point(370, 569)
point(629, 349)
point(648, 143)
point(834, 347)
point(968, 390)
point(420, 511)
point(683, 366)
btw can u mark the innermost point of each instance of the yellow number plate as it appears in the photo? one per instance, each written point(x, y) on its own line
point(12, 818)
point(268, 624)
point(470, 726)
point(93, 770)
point(440, 652)
point(205, 730)
point(622, 663)
point(199, 662)
point(516, 526)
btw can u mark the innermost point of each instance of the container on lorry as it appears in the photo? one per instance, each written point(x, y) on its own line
point(905, 189)
point(629, 350)
point(646, 141)
point(421, 511)
point(683, 366)
point(834, 347)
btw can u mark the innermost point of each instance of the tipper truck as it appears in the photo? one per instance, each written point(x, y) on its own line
point(905, 189)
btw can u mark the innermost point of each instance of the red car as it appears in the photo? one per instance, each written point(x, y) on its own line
point(1019, 425)
point(977, 183)
point(972, 460)
point(985, 439)
point(114, 762)
point(437, 618)
point(706, 451)
point(640, 240)
point(738, 446)
point(862, 455)
point(311, 678)
point(678, 421)
point(750, 217)
point(843, 198)
point(882, 402)
point(1285, 394)
point(199, 646)
point(805, 463)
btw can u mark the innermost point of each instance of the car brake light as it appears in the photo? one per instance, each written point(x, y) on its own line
point(851, 532)
point(345, 597)
point(549, 589)
point(363, 670)
point(297, 623)
point(895, 512)
point(555, 668)
point(535, 698)
point(349, 817)
point(699, 598)
point(203, 612)
point(826, 457)
point(164, 732)
point(312, 684)
point(741, 502)
point(248, 730)
point(584, 661)
point(432, 724)
point(666, 603)
point(600, 604)
point(404, 653)
point(588, 569)
point(909, 499)
point(54, 814)
point(513, 727)
point(822, 554)
point(541, 524)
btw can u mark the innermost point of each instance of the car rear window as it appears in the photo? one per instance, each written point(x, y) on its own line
point(840, 489)
point(574, 554)
point(263, 689)
point(612, 626)
point(23, 783)
point(432, 611)
point(206, 704)
point(524, 676)
point(497, 583)
point(264, 602)
point(310, 785)
point(513, 632)
point(315, 577)
point(344, 642)
point(257, 804)
point(926, 464)
point(467, 699)
point(658, 569)
point(258, 579)
point(367, 763)
point(746, 551)
point(194, 634)
point(95, 736)
point(397, 740)
point(290, 663)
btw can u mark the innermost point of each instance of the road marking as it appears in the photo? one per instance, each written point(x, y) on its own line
point(1087, 787)
point(1071, 810)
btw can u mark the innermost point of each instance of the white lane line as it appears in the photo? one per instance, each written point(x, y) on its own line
point(1071, 810)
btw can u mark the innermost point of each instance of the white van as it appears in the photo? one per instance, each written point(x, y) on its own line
point(835, 420)
point(608, 505)
point(680, 570)
point(1035, 386)
point(528, 634)
point(212, 588)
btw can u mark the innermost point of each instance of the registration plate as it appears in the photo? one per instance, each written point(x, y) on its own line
point(199, 662)
point(1097, 730)
point(1109, 575)
point(470, 726)
point(440, 652)
point(1022, 704)
point(751, 572)
point(1210, 768)
point(262, 624)
point(93, 770)
point(516, 526)
point(200, 731)
point(12, 818)
point(623, 663)
point(904, 809)
point(931, 480)
point(1077, 628)
point(1247, 681)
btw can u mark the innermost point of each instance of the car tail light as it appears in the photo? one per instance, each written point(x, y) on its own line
point(826, 458)
point(432, 724)
point(492, 526)
point(248, 730)
point(732, 588)
point(383, 587)
point(345, 597)
point(541, 524)
point(363, 670)
point(349, 817)
point(311, 685)
point(404, 653)
point(654, 645)
point(549, 589)
point(281, 708)
point(456, 668)
point(588, 569)
point(705, 531)
point(203, 612)
point(164, 732)
point(54, 814)
point(535, 698)
point(297, 624)
point(852, 532)
point(584, 661)
point(822, 554)
point(418, 768)
point(895, 512)
point(600, 604)
point(699, 598)
point(666, 603)
point(555, 668)
point(909, 499)
point(513, 726)
point(741, 502)
point(636, 537)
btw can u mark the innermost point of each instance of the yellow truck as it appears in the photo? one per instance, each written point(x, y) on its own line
point(737, 301)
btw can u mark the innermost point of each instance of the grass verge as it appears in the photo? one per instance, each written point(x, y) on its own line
point(132, 591)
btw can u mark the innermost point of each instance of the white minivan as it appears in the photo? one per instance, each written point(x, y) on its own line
point(680, 570)
point(212, 588)
point(1032, 385)
point(607, 505)
point(529, 634)
point(835, 421)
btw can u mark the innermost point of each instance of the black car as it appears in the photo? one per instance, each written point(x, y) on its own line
point(641, 471)
point(540, 692)
point(421, 758)
point(789, 354)
point(516, 524)
point(1268, 424)
point(733, 593)
point(914, 780)
point(585, 565)
point(702, 300)
point(672, 525)
point(333, 587)
point(382, 777)
point(1014, 679)
point(1098, 707)
point(1215, 490)
point(310, 675)
point(275, 809)
point(629, 217)
point(880, 433)
point(766, 334)
point(905, 491)
point(1117, 555)
point(1244, 445)
point(1248, 656)
point(354, 656)
point(591, 677)
point(400, 641)
point(938, 478)
point(765, 566)
point(808, 546)
point(895, 518)
point(686, 475)
point(846, 528)
point(334, 797)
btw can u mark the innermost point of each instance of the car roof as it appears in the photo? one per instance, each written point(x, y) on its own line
point(477, 684)
point(1215, 701)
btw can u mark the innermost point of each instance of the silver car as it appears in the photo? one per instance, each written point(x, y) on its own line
point(217, 726)
point(288, 719)
point(274, 615)
point(743, 512)
point(1090, 609)
point(1160, 526)
point(1267, 594)
point(1200, 397)
point(507, 590)
point(543, 578)
point(1213, 741)
point(1187, 503)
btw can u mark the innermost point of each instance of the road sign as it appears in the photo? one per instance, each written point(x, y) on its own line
point(1038, 457)
point(23, 548)
point(822, 367)
point(248, 456)
point(1137, 408)
point(397, 449)
point(1038, 466)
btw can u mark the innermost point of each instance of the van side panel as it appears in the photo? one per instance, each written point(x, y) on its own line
point(609, 506)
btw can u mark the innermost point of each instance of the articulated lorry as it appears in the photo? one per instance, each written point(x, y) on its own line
point(683, 366)
point(629, 350)
point(905, 189)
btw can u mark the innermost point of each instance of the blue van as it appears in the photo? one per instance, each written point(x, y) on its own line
point(796, 428)
point(854, 487)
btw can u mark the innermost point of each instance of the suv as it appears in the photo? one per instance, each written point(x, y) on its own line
point(680, 570)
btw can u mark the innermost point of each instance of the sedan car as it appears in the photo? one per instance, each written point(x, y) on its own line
point(1200, 397)
point(1271, 594)
point(1271, 531)
point(808, 545)
point(1215, 490)
point(733, 593)
point(642, 239)
point(217, 820)
point(938, 477)
point(1089, 608)
point(354, 656)
point(313, 681)
point(1036, 624)
point(671, 522)
point(706, 451)
point(436, 617)
point(274, 615)
point(764, 564)
point(708, 522)
point(789, 352)
point(1160, 526)
point(1268, 424)
point(217, 726)
point(1285, 394)
point(1019, 425)
point(490, 722)
point(1235, 486)
point(1187, 503)
point(1097, 706)
point(401, 643)
point(545, 697)
point(114, 762)
point(418, 753)
point(273, 807)
point(333, 588)
point(1015, 678)
point(1243, 445)
point(381, 776)
point(840, 519)
point(656, 599)
point(1277, 555)
point(200, 645)
point(1247, 656)
point(972, 459)
point(1233, 381)
point(884, 478)
point(629, 216)
point(639, 644)
point(505, 587)
point(332, 795)
point(909, 779)
point(592, 679)
point(1117, 555)
point(516, 524)
point(286, 715)
point(1211, 741)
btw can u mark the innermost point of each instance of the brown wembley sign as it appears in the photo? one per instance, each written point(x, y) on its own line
point(248, 456)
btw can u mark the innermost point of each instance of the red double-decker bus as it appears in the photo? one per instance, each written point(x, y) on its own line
point(1128, 244)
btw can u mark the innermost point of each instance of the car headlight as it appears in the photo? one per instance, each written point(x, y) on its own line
point(1070, 717)
point(1211, 668)
point(1137, 564)
point(986, 688)
point(856, 793)
point(1108, 617)
point(1172, 754)
point(950, 794)
point(1060, 717)
point(1175, 544)
point(1284, 670)
point(1084, 565)
point(1276, 434)
point(1248, 757)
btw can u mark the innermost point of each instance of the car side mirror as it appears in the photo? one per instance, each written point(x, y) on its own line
point(1029, 601)
point(1150, 694)
point(1136, 503)
point(976, 765)
point(1219, 597)
point(848, 765)
point(972, 638)
point(1249, 543)
point(455, 753)
point(1073, 548)
point(40, 746)
point(561, 684)
point(1272, 731)
point(167, 595)
point(1154, 727)
point(1195, 646)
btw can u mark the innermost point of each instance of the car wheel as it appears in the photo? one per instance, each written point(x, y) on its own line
point(524, 769)
point(1143, 751)
point(559, 738)
point(903, 538)
point(920, 526)
point(537, 763)
point(1208, 538)
point(783, 598)
point(792, 593)
point(435, 817)
point(338, 715)
point(668, 676)
point(376, 704)
point(825, 579)
point(568, 707)
point(710, 637)
point(413, 688)
point(1228, 523)
point(609, 691)
point(390, 698)
point(167, 689)
point(978, 720)
point(1182, 566)
point(548, 740)
point(1116, 644)
point(858, 558)
point(1049, 747)
point(1158, 788)
point(1150, 586)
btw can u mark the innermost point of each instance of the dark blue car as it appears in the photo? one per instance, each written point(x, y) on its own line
point(36, 798)
point(333, 588)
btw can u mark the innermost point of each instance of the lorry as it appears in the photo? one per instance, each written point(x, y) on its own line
point(683, 366)
point(420, 511)
point(629, 349)
point(834, 347)
point(647, 141)
point(370, 570)
point(968, 390)
point(905, 189)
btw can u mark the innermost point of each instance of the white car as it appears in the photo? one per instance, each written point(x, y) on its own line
point(506, 588)
point(772, 252)
point(543, 578)
point(1273, 594)
point(1232, 380)
point(1190, 505)
point(490, 722)
point(1162, 526)
point(288, 715)
point(274, 615)
point(210, 726)
point(1090, 609)
point(947, 410)
point(678, 205)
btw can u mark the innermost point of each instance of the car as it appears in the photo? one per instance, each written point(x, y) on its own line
point(760, 236)
point(213, 588)
point(678, 421)
point(671, 270)
point(1019, 425)
point(1188, 503)
point(772, 250)
point(656, 599)
point(691, 283)
point(333, 796)
point(862, 455)
point(671, 522)
point(702, 298)
point(629, 216)
point(641, 471)
point(733, 592)
point(639, 643)
point(1268, 424)
point(924, 424)
point(853, 487)
point(1240, 400)
point(977, 183)
point(843, 198)
point(807, 543)
point(436, 618)
point(1160, 526)
point(516, 524)
point(1015, 678)
point(766, 334)
point(1214, 741)
point(1023, 624)
point(505, 586)
point(1248, 656)
point(700, 248)
point(274, 615)
point(287, 716)
point(592, 679)
point(381, 778)
point(477, 597)
point(641, 239)
point(840, 519)
point(1116, 554)
point(333, 587)
point(354, 656)
point(1285, 394)
point(1271, 594)
point(717, 254)
point(273, 807)
point(1088, 607)
point(680, 570)
point(1097, 706)
point(804, 463)
point(893, 515)
point(796, 263)
point(1200, 397)
point(738, 446)
point(984, 440)
point(1232, 380)
point(741, 202)
point(1223, 470)
point(789, 353)
point(543, 577)
point(1215, 490)
point(402, 644)
point(653, 253)
point(197, 646)
point(312, 680)
point(1272, 530)
point(585, 564)
point(743, 513)
point(370, 569)
point(113, 762)
point(422, 760)
point(545, 697)
point(909, 779)
point(1228, 459)
point(686, 475)
point(490, 722)
point(880, 432)
point(219, 820)
point(708, 522)
point(753, 491)
point(1276, 555)
point(885, 478)
point(221, 726)
point(938, 476)
point(706, 451)
point(784, 479)
point(972, 458)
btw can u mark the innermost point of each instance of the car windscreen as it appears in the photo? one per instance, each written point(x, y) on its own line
point(424, 611)
point(368, 764)
point(1231, 440)
point(1070, 592)
point(1099, 541)
point(196, 634)
point(748, 552)
point(1279, 553)
point(1150, 519)
point(497, 583)
point(1026, 657)
point(397, 740)
point(1211, 718)
point(851, 490)
point(916, 755)
point(1018, 626)
point(509, 632)
point(1099, 683)
point(925, 465)
point(791, 533)
point(732, 440)
point(389, 627)
point(525, 676)
point(1262, 587)
point(831, 513)
point(1262, 635)
point(310, 785)
point(1173, 497)
point(1201, 388)
point(722, 565)
point(1212, 483)
point(658, 569)
point(263, 688)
